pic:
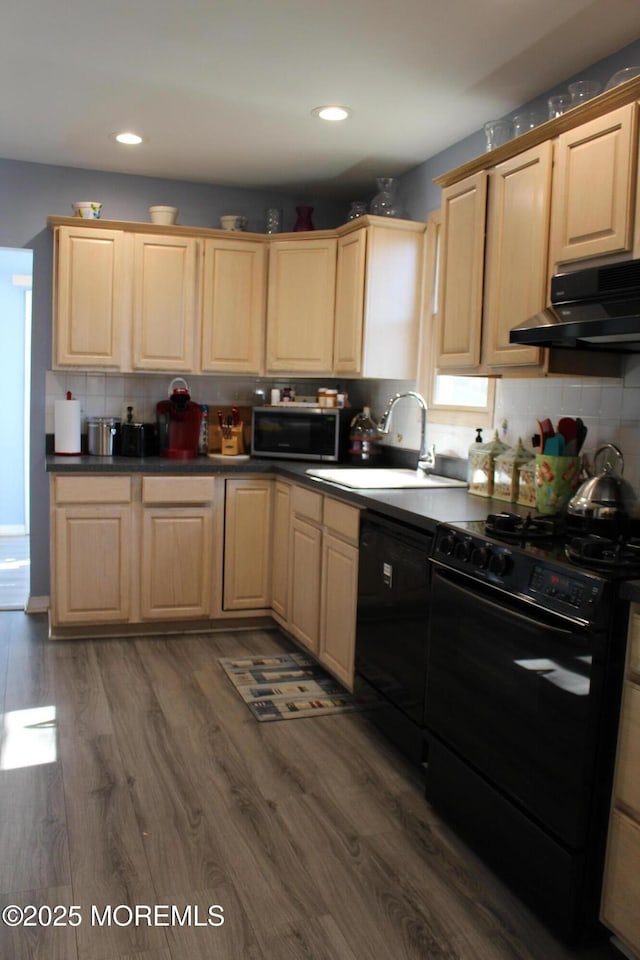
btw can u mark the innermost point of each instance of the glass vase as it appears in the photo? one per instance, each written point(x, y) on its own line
point(384, 202)
point(304, 219)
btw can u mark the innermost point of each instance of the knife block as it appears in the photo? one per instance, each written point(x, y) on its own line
point(242, 432)
point(230, 447)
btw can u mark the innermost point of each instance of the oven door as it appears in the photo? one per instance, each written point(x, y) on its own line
point(514, 692)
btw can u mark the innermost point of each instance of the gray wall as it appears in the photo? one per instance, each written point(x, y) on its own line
point(418, 195)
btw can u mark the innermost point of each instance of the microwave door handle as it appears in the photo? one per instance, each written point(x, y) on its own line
point(475, 595)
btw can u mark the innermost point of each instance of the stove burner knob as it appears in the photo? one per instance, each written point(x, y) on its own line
point(480, 557)
point(500, 564)
point(463, 550)
point(448, 544)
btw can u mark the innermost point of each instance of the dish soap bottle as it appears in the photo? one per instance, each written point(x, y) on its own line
point(364, 440)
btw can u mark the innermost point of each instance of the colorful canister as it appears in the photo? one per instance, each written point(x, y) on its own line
point(505, 472)
point(482, 458)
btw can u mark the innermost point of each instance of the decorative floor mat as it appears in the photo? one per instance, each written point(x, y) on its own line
point(288, 686)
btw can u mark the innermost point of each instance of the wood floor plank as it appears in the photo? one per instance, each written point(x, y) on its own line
point(200, 939)
point(108, 859)
point(180, 842)
point(29, 680)
point(43, 941)
point(314, 834)
point(319, 939)
point(33, 834)
point(81, 703)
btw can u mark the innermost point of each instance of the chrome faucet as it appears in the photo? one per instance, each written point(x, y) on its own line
point(426, 458)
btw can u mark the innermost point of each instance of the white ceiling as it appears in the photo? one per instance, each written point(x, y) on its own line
point(222, 89)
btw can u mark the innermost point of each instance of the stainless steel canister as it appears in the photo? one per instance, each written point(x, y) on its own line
point(103, 436)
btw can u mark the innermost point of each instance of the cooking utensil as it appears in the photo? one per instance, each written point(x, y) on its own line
point(545, 429)
point(555, 446)
point(606, 495)
point(567, 427)
point(581, 433)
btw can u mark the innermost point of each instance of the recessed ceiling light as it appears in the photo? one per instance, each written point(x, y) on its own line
point(128, 138)
point(331, 112)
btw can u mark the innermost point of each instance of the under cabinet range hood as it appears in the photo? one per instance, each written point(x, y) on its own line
point(593, 309)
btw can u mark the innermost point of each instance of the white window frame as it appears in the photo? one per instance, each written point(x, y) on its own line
point(452, 414)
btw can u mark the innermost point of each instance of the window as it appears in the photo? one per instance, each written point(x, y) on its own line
point(451, 399)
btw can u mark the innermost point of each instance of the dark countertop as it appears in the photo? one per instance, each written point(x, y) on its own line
point(420, 508)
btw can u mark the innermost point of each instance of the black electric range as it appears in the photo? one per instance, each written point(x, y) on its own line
point(526, 651)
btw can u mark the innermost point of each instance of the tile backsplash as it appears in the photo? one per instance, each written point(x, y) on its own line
point(609, 408)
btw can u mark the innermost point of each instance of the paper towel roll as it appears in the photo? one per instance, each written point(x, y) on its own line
point(67, 427)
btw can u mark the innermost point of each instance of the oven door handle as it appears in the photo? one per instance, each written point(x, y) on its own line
point(476, 592)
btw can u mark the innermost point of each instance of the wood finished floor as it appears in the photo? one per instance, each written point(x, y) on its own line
point(312, 834)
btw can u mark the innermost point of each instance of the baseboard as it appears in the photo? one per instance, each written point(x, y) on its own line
point(37, 605)
point(622, 948)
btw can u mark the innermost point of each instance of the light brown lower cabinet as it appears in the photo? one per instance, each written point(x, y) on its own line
point(621, 890)
point(91, 533)
point(148, 549)
point(247, 544)
point(306, 570)
point(323, 582)
point(338, 607)
point(280, 551)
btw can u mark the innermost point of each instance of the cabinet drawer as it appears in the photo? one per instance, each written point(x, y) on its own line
point(306, 503)
point(177, 489)
point(622, 880)
point(634, 643)
point(627, 783)
point(83, 489)
point(342, 519)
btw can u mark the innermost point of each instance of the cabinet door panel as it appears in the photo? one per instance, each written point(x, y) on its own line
point(89, 297)
point(247, 570)
point(91, 564)
point(461, 272)
point(339, 600)
point(164, 302)
point(176, 562)
point(627, 786)
point(516, 252)
point(234, 306)
point(306, 569)
point(350, 281)
point(594, 183)
point(621, 892)
point(300, 311)
point(280, 551)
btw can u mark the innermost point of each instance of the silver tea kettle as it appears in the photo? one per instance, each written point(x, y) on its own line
point(605, 496)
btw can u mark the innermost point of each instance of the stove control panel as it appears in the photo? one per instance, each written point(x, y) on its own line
point(521, 572)
point(473, 555)
point(576, 593)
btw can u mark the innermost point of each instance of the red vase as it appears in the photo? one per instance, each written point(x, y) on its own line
point(304, 219)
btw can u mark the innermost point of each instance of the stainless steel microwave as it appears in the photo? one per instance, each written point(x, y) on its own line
point(300, 433)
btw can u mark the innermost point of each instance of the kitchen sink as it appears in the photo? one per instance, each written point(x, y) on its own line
point(382, 478)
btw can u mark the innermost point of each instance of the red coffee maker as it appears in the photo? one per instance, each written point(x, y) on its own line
point(178, 423)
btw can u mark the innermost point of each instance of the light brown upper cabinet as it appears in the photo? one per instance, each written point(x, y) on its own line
point(89, 297)
point(378, 298)
point(164, 302)
point(594, 187)
point(559, 194)
point(233, 306)
point(300, 304)
point(516, 252)
point(464, 206)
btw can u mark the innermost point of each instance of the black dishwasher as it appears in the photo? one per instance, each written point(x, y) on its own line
point(392, 626)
